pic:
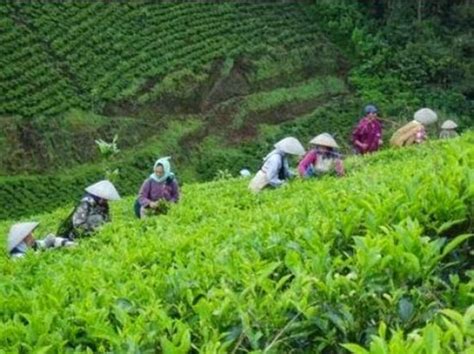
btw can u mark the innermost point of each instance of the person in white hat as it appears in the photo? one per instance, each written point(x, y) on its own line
point(448, 130)
point(414, 132)
point(20, 239)
point(322, 158)
point(92, 211)
point(275, 169)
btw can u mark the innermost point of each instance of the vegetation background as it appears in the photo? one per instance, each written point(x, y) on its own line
point(379, 261)
point(213, 84)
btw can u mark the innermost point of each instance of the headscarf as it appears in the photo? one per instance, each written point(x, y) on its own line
point(370, 108)
point(164, 161)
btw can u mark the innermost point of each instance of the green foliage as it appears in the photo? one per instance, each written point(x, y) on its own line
point(162, 207)
point(108, 150)
point(295, 65)
point(338, 19)
point(110, 52)
point(223, 174)
point(26, 195)
point(362, 259)
point(181, 84)
point(406, 56)
point(254, 105)
point(451, 333)
point(141, 60)
point(48, 145)
point(140, 57)
point(214, 156)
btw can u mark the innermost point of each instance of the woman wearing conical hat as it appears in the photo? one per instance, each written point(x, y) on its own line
point(92, 211)
point(322, 158)
point(448, 130)
point(275, 169)
point(20, 239)
point(157, 190)
point(414, 132)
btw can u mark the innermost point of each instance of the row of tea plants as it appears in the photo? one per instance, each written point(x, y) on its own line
point(380, 259)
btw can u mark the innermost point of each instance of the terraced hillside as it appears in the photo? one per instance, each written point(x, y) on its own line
point(139, 60)
point(381, 258)
point(93, 53)
point(214, 84)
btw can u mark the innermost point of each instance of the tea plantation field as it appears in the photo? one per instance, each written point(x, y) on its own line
point(379, 261)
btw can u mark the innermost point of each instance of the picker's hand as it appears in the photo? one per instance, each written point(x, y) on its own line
point(162, 206)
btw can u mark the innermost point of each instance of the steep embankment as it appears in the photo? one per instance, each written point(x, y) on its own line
point(72, 73)
point(305, 268)
point(195, 81)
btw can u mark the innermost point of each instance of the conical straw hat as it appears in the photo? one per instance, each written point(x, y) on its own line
point(18, 232)
point(449, 124)
point(104, 189)
point(291, 146)
point(425, 116)
point(324, 139)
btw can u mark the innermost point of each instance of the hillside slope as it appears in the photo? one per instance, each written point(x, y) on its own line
point(304, 268)
point(73, 72)
point(212, 84)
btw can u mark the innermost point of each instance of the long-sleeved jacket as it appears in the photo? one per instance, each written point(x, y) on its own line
point(49, 241)
point(89, 215)
point(275, 167)
point(369, 133)
point(152, 191)
point(313, 164)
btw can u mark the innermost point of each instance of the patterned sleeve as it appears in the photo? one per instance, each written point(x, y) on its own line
point(62, 242)
point(80, 215)
point(306, 162)
point(40, 245)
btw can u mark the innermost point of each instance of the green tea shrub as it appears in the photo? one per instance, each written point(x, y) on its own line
point(379, 259)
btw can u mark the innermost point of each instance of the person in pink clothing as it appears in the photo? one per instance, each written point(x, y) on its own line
point(367, 136)
point(322, 158)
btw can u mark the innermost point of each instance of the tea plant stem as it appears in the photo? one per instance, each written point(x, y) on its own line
point(279, 334)
point(237, 345)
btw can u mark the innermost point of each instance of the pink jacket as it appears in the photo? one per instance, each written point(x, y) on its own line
point(368, 132)
point(306, 167)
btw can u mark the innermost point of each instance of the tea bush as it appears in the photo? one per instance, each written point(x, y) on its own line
point(379, 259)
point(27, 195)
